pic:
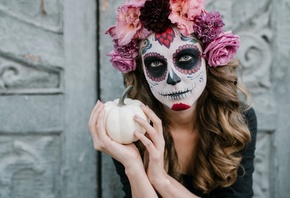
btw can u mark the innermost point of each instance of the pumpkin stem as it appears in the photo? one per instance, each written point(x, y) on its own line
point(124, 95)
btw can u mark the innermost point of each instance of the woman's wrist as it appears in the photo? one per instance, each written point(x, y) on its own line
point(169, 187)
point(134, 168)
point(139, 182)
point(161, 181)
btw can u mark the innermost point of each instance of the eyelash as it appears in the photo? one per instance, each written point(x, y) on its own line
point(154, 57)
point(186, 55)
point(160, 63)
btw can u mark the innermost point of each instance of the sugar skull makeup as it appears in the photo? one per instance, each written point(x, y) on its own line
point(174, 68)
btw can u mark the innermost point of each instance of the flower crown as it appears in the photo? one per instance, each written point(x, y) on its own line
point(137, 19)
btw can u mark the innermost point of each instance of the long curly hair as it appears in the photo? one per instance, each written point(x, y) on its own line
point(223, 131)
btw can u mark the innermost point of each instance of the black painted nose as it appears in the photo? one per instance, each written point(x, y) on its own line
point(174, 79)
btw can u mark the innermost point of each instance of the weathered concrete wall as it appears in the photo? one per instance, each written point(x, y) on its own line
point(79, 162)
point(264, 28)
point(111, 86)
point(47, 90)
point(281, 89)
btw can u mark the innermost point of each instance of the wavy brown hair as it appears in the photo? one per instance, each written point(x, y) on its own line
point(222, 128)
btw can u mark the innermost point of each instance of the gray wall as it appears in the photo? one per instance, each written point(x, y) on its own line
point(47, 90)
point(49, 72)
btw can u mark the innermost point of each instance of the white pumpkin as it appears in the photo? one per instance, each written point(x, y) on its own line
point(119, 119)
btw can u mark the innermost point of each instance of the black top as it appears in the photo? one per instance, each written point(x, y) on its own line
point(242, 188)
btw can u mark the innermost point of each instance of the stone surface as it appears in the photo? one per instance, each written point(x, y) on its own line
point(263, 164)
point(48, 87)
point(31, 114)
point(111, 86)
point(47, 14)
point(79, 163)
point(281, 87)
point(18, 77)
point(23, 40)
point(110, 79)
point(30, 166)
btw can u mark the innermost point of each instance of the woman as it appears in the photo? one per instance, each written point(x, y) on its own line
point(201, 139)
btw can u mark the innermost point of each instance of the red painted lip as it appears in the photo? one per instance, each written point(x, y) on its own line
point(180, 107)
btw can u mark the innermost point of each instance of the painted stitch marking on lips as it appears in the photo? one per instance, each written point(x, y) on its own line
point(177, 95)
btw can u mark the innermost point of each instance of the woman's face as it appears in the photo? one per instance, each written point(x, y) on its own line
point(174, 68)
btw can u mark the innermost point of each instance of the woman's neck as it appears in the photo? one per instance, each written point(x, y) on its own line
point(185, 135)
point(182, 120)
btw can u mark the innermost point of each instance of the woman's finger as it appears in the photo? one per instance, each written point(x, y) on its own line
point(94, 110)
point(94, 120)
point(102, 141)
point(146, 142)
point(101, 125)
point(155, 132)
point(157, 123)
point(150, 131)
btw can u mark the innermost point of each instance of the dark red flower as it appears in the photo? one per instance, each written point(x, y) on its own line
point(154, 15)
point(127, 51)
point(207, 26)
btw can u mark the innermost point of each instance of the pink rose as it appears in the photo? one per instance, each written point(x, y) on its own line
point(221, 50)
point(122, 64)
point(195, 8)
point(112, 32)
point(183, 12)
point(128, 25)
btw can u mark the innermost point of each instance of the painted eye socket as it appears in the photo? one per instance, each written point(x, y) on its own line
point(155, 66)
point(187, 59)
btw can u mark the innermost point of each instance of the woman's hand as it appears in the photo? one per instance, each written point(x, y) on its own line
point(154, 142)
point(128, 155)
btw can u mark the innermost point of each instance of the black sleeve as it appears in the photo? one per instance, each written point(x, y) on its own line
point(242, 188)
point(123, 177)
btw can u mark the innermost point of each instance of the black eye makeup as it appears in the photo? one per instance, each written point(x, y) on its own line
point(187, 59)
point(156, 66)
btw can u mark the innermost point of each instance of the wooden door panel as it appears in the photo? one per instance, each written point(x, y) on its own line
point(48, 86)
point(30, 165)
point(31, 113)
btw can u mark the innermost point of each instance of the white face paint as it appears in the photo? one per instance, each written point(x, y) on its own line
point(174, 68)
